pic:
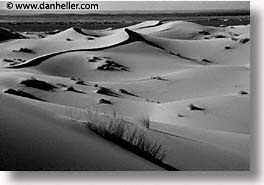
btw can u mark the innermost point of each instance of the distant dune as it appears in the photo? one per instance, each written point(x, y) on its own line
point(6, 34)
point(191, 81)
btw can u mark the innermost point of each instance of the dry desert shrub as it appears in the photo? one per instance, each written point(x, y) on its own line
point(130, 136)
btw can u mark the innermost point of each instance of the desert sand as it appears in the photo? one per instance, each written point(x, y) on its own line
point(191, 81)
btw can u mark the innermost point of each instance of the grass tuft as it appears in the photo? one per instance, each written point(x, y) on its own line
point(130, 136)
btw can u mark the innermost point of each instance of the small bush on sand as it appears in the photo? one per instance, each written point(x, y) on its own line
point(244, 40)
point(72, 89)
point(180, 115)
point(228, 47)
point(203, 32)
point(158, 78)
point(104, 101)
point(243, 92)
point(24, 50)
point(220, 36)
point(19, 92)
point(123, 91)
point(38, 84)
point(106, 91)
point(193, 107)
point(110, 65)
point(8, 60)
point(234, 38)
point(206, 60)
point(81, 82)
point(13, 61)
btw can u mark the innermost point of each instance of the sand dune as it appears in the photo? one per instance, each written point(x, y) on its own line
point(32, 133)
point(191, 81)
point(6, 34)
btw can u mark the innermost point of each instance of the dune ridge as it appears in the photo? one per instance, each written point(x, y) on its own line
point(132, 37)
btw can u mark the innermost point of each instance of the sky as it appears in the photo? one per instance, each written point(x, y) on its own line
point(174, 5)
point(148, 5)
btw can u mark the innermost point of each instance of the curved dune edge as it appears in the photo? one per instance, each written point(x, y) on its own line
point(132, 37)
